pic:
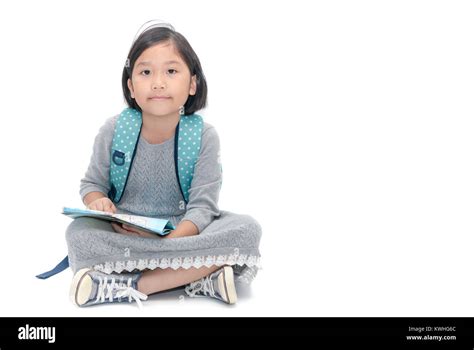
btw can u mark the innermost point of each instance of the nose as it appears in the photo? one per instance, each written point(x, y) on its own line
point(158, 82)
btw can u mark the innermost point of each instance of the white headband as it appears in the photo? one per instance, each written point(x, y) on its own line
point(154, 23)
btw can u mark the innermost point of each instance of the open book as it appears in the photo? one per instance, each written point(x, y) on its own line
point(158, 226)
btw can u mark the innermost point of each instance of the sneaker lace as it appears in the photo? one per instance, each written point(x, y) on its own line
point(204, 286)
point(107, 288)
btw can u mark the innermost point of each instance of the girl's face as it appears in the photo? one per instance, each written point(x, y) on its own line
point(161, 81)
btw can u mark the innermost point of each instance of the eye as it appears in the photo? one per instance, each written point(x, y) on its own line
point(145, 72)
point(172, 71)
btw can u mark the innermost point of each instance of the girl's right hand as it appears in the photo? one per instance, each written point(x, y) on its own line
point(103, 204)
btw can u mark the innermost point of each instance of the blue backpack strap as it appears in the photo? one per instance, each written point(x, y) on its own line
point(124, 146)
point(63, 265)
point(187, 149)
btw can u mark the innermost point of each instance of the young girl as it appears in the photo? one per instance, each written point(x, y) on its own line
point(162, 83)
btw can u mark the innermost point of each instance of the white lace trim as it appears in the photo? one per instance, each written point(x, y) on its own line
point(186, 263)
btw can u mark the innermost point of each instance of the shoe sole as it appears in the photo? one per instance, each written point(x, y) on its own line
point(81, 287)
point(229, 285)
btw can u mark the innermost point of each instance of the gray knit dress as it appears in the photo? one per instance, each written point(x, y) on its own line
point(224, 238)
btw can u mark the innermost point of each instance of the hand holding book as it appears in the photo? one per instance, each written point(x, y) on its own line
point(133, 231)
point(102, 204)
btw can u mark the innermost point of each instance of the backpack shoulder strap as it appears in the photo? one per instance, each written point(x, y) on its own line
point(124, 145)
point(187, 149)
point(127, 132)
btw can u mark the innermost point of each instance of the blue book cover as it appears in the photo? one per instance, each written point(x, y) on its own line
point(158, 226)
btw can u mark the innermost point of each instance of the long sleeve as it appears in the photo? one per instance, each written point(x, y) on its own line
point(202, 207)
point(97, 175)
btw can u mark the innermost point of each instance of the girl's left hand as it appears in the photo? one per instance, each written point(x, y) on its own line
point(129, 230)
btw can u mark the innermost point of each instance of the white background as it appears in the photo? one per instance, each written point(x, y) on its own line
point(346, 130)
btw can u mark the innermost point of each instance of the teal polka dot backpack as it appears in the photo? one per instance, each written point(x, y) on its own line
point(187, 146)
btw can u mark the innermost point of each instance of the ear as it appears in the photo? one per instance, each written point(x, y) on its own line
point(193, 86)
point(130, 87)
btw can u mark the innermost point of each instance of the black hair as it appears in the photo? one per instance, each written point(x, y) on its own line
point(158, 35)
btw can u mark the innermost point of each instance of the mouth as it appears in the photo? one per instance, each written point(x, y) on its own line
point(159, 98)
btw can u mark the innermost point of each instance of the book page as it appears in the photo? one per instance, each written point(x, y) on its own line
point(133, 219)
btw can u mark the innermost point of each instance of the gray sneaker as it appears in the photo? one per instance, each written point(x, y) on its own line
point(218, 285)
point(90, 287)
